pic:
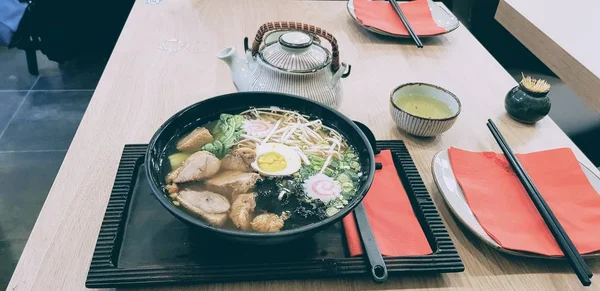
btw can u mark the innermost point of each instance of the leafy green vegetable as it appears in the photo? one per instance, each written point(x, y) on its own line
point(347, 187)
point(331, 211)
point(316, 161)
point(343, 178)
point(307, 172)
point(226, 133)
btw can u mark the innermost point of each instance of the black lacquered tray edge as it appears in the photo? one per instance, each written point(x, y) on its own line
point(115, 214)
point(104, 272)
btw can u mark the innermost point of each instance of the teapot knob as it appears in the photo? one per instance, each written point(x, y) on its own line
point(295, 40)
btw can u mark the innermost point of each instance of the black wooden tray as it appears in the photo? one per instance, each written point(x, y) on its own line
point(140, 243)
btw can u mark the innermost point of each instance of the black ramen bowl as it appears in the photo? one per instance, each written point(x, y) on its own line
point(163, 142)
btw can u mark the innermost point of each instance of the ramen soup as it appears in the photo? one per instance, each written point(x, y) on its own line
point(263, 170)
point(424, 106)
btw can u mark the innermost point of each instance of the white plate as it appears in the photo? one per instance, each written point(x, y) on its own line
point(442, 17)
point(455, 199)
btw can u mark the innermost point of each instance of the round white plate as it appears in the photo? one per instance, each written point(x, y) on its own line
point(455, 199)
point(443, 18)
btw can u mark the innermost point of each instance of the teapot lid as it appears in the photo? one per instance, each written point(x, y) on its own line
point(295, 52)
point(273, 37)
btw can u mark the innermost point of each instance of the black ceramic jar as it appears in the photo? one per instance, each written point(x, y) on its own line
point(526, 106)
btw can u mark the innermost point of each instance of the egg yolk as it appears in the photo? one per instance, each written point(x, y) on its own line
point(271, 162)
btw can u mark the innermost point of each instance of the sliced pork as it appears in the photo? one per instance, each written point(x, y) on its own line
point(231, 183)
point(239, 160)
point(208, 205)
point(171, 176)
point(195, 140)
point(198, 166)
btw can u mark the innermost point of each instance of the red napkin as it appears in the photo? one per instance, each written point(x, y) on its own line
point(505, 211)
point(396, 229)
point(381, 15)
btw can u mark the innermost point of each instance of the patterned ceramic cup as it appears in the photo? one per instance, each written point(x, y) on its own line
point(423, 126)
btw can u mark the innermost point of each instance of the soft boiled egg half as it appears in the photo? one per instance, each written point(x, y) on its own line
point(275, 159)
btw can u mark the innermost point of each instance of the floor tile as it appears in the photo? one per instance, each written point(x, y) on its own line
point(26, 178)
point(13, 70)
point(9, 103)
point(47, 120)
point(10, 250)
point(81, 73)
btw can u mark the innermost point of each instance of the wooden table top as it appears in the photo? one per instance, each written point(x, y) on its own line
point(563, 35)
point(165, 60)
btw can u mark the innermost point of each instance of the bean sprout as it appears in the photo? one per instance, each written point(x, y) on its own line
point(328, 160)
point(291, 132)
point(304, 158)
point(280, 196)
point(271, 132)
point(308, 137)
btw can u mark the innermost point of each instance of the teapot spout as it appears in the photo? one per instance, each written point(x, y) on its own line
point(238, 67)
point(227, 55)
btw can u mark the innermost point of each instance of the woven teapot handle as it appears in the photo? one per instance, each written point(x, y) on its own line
point(285, 25)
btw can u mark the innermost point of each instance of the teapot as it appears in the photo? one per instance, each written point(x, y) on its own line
point(295, 64)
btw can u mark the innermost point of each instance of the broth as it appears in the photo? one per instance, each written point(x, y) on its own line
point(263, 170)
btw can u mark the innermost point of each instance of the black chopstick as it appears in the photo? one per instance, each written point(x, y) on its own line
point(566, 245)
point(378, 268)
point(406, 24)
point(531, 186)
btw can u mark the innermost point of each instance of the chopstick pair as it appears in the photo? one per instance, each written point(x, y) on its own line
point(412, 33)
point(558, 232)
